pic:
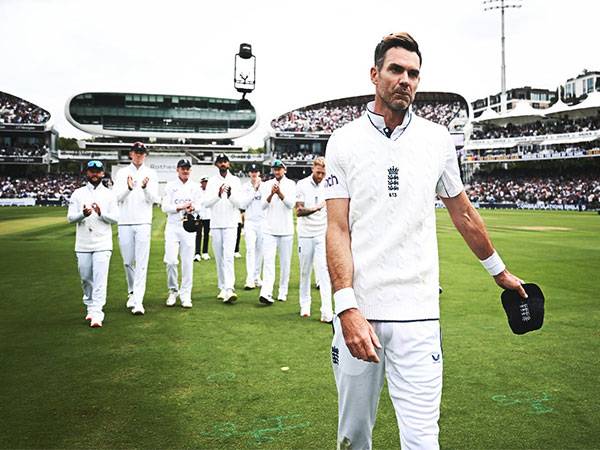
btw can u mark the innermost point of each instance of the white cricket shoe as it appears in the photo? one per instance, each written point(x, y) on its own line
point(305, 311)
point(282, 298)
point(197, 257)
point(205, 256)
point(230, 296)
point(326, 318)
point(221, 295)
point(88, 317)
point(187, 303)
point(130, 301)
point(95, 323)
point(249, 286)
point(266, 300)
point(138, 310)
point(237, 255)
point(258, 282)
point(172, 299)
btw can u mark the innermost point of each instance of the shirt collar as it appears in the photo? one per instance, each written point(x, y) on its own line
point(91, 187)
point(379, 123)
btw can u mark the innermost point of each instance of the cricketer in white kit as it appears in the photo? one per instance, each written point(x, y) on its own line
point(312, 225)
point(254, 218)
point(180, 198)
point(136, 187)
point(384, 170)
point(223, 198)
point(93, 208)
point(278, 199)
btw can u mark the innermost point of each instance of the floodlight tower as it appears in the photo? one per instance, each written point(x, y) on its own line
point(244, 76)
point(502, 5)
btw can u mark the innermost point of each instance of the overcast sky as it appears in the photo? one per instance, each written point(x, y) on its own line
point(307, 51)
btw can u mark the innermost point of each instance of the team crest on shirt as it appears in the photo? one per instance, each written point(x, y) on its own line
point(393, 181)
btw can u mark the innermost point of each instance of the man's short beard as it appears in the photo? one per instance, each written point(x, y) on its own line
point(94, 183)
point(223, 172)
point(396, 107)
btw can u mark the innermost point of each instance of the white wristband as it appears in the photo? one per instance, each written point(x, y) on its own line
point(344, 299)
point(494, 264)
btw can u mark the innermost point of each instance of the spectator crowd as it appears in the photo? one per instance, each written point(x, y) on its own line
point(23, 151)
point(523, 190)
point(14, 110)
point(54, 187)
point(328, 118)
point(539, 128)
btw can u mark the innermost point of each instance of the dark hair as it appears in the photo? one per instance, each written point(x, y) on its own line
point(400, 39)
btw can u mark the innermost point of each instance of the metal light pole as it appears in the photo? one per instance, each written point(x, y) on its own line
point(502, 5)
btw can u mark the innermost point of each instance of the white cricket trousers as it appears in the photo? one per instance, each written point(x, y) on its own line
point(223, 243)
point(179, 242)
point(311, 250)
point(271, 244)
point(254, 250)
point(93, 270)
point(411, 360)
point(134, 242)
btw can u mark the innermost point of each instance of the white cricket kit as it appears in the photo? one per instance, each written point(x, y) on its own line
point(392, 183)
point(135, 224)
point(225, 213)
point(93, 242)
point(254, 218)
point(311, 245)
point(179, 242)
point(202, 210)
point(278, 233)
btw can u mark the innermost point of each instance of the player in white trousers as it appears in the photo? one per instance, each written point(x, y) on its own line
point(181, 197)
point(202, 235)
point(136, 187)
point(312, 225)
point(384, 170)
point(253, 224)
point(93, 208)
point(278, 199)
point(223, 198)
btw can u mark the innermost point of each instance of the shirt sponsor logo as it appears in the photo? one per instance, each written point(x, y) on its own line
point(393, 181)
point(331, 181)
point(437, 357)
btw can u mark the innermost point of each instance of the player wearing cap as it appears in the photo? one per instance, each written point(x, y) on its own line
point(312, 224)
point(202, 234)
point(278, 200)
point(384, 170)
point(223, 198)
point(93, 208)
point(181, 197)
point(136, 187)
point(254, 217)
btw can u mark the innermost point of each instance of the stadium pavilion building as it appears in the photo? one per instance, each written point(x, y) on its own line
point(172, 127)
point(298, 136)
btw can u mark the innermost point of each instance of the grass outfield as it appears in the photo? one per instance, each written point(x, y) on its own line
point(211, 377)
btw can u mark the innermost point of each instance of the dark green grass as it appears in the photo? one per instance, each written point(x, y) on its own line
point(211, 377)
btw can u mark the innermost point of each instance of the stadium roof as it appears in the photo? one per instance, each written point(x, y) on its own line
point(160, 116)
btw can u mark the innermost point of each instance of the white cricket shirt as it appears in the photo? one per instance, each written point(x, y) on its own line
point(392, 185)
point(279, 215)
point(93, 233)
point(177, 193)
point(135, 206)
point(202, 211)
point(311, 194)
point(225, 211)
point(252, 203)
